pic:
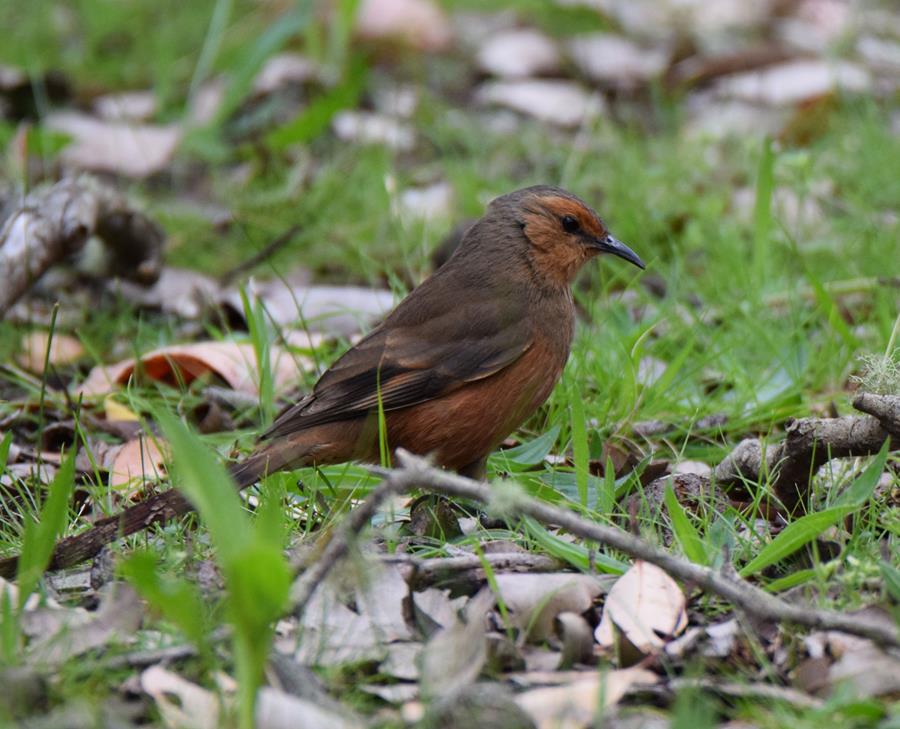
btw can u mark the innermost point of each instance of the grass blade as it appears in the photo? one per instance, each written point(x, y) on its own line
point(684, 530)
point(794, 536)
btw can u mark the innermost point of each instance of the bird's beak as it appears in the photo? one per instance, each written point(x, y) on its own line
point(608, 244)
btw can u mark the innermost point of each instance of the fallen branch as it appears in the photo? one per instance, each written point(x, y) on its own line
point(55, 222)
point(70, 551)
point(808, 444)
point(884, 407)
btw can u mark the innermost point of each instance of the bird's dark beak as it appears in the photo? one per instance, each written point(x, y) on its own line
point(608, 244)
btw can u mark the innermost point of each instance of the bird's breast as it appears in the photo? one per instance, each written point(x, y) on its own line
point(465, 425)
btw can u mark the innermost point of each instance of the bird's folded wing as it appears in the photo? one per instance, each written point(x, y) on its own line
point(411, 359)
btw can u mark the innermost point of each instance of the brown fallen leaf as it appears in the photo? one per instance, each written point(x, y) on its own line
point(233, 362)
point(136, 461)
point(643, 610)
point(64, 349)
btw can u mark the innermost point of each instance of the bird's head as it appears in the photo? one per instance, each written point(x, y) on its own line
point(562, 232)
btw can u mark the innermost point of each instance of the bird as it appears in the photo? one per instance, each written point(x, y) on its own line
point(465, 358)
point(457, 366)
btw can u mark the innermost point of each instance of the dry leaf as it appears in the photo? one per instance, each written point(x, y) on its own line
point(534, 600)
point(518, 54)
point(133, 150)
point(140, 459)
point(795, 82)
point(344, 310)
point(117, 412)
point(285, 69)
point(381, 600)
point(178, 291)
point(575, 705)
point(64, 350)
point(454, 656)
point(645, 607)
point(181, 704)
point(278, 710)
point(577, 639)
point(563, 103)
point(419, 23)
point(127, 106)
point(119, 615)
point(616, 61)
point(857, 662)
point(235, 363)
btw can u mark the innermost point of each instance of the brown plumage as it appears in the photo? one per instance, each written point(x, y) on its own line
point(458, 365)
point(465, 358)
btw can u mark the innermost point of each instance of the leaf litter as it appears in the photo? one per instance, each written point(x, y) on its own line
point(408, 639)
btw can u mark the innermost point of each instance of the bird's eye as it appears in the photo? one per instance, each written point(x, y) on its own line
point(570, 224)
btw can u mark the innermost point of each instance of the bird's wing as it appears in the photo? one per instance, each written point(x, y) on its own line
point(429, 346)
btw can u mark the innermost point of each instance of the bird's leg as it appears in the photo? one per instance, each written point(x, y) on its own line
point(475, 470)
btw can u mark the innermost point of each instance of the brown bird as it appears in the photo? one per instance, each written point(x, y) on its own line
point(465, 358)
point(456, 367)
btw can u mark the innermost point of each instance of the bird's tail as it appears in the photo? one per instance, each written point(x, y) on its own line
point(262, 462)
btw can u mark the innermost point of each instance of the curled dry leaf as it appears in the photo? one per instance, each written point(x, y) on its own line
point(577, 639)
point(235, 363)
point(64, 350)
point(534, 600)
point(645, 608)
point(454, 656)
point(138, 460)
point(837, 658)
point(574, 705)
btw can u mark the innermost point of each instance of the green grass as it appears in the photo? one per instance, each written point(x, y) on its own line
point(756, 325)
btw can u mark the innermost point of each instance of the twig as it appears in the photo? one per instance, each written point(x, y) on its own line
point(739, 593)
point(55, 222)
point(321, 561)
point(227, 278)
point(746, 690)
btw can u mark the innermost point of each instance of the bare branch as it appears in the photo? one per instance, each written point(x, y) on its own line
point(808, 444)
point(738, 592)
